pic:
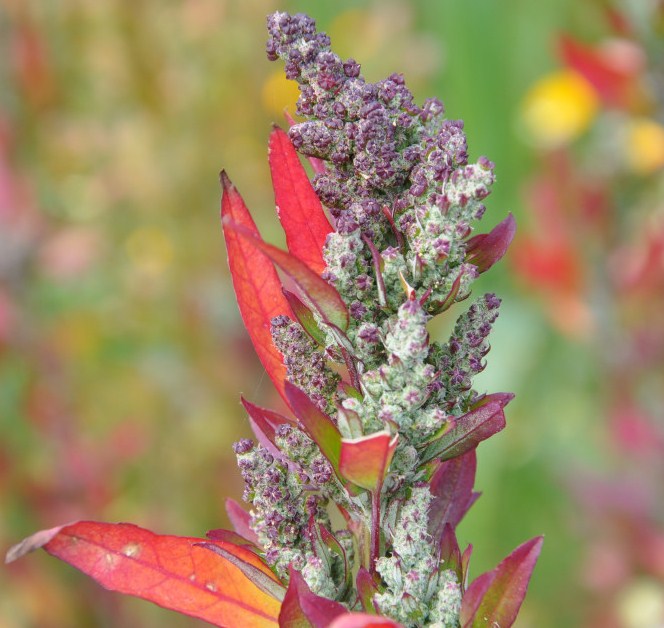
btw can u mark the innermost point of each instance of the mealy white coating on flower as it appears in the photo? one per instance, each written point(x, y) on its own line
point(446, 604)
point(316, 573)
point(403, 198)
point(411, 572)
point(396, 392)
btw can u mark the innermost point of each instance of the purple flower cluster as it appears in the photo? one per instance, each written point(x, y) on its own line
point(396, 173)
point(281, 508)
point(305, 363)
point(461, 358)
point(373, 134)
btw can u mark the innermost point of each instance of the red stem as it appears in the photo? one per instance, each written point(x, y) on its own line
point(352, 370)
point(375, 530)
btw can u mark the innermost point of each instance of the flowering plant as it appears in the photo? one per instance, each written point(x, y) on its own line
point(354, 499)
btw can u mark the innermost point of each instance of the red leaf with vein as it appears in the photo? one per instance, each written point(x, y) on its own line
point(317, 293)
point(495, 597)
point(167, 570)
point(316, 424)
point(257, 285)
point(298, 207)
point(302, 608)
point(452, 491)
point(365, 460)
point(485, 419)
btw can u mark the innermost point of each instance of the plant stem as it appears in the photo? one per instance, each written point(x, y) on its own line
point(375, 530)
point(352, 370)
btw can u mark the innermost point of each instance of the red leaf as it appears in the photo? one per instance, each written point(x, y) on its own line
point(229, 536)
point(363, 620)
point(366, 589)
point(469, 431)
point(303, 609)
point(318, 294)
point(170, 571)
point(257, 285)
point(485, 249)
point(266, 583)
point(494, 599)
point(452, 490)
point(365, 460)
point(240, 519)
point(450, 554)
point(298, 207)
point(264, 423)
point(320, 427)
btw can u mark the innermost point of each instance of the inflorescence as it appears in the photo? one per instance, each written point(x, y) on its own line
point(403, 196)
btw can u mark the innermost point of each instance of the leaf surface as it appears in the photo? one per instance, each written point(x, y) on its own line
point(364, 461)
point(495, 597)
point(256, 283)
point(317, 293)
point(303, 609)
point(485, 249)
point(469, 431)
point(169, 571)
point(240, 520)
point(306, 318)
point(452, 491)
point(320, 427)
point(298, 207)
point(264, 423)
point(363, 620)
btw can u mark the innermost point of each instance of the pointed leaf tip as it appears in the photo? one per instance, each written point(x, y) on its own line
point(302, 608)
point(255, 280)
point(170, 571)
point(485, 249)
point(495, 597)
point(298, 206)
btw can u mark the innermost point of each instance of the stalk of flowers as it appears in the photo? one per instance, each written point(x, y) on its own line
point(353, 500)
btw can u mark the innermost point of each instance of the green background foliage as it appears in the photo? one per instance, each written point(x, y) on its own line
point(122, 354)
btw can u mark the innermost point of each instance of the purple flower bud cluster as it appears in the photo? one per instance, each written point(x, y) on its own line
point(366, 131)
point(461, 358)
point(383, 151)
point(280, 506)
point(315, 471)
point(306, 365)
point(404, 198)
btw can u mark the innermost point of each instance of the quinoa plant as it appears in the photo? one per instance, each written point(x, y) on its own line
point(353, 497)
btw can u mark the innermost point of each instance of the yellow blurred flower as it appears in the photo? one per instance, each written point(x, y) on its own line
point(279, 93)
point(558, 108)
point(641, 605)
point(645, 146)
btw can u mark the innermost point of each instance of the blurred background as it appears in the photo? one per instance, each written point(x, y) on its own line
point(122, 353)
